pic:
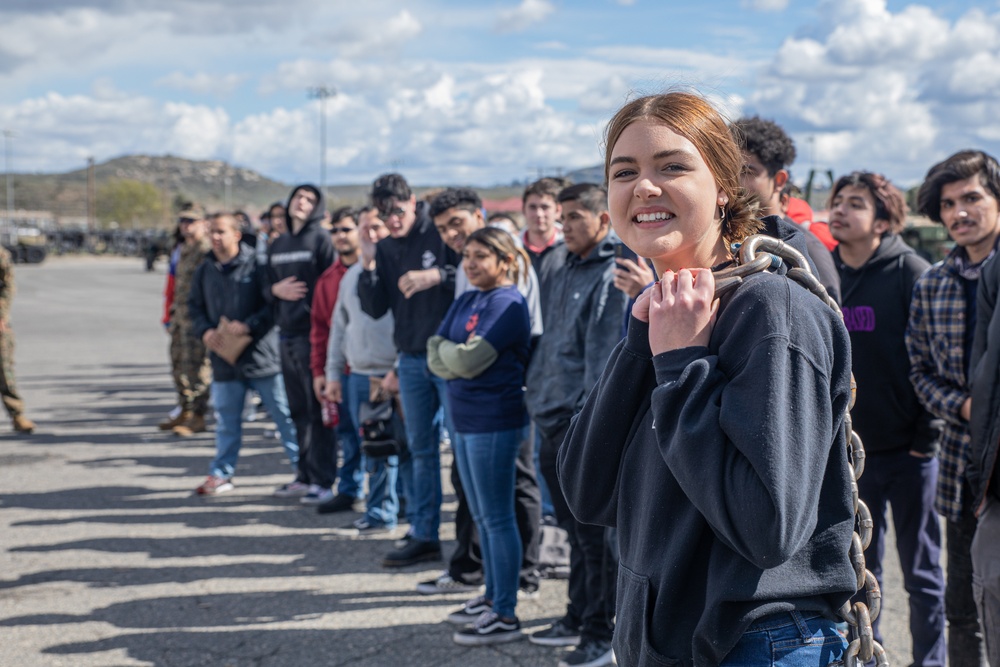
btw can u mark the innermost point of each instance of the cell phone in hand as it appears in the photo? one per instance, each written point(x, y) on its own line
point(622, 251)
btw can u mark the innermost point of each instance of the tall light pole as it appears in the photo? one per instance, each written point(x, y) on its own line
point(321, 93)
point(8, 138)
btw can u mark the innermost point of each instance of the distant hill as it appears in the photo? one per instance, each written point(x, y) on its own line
point(202, 181)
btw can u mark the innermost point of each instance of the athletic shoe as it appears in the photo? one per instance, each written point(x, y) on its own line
point(590, 653)
point(337, 503)
point(445, 584)
point(470, 611)
point(317, 495)
point(294, 489)
point(415, 551)
point(361, 527)
point(489, 629)
point(528, 593)
point(214, 485)
point(559, 633)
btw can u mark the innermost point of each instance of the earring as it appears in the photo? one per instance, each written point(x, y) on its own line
point(722, 213)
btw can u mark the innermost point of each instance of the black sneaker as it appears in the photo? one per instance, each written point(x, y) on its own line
point(415, 551)
point(590, 653)
point(489, 629)
point(339, 503)
point(559, 633)
point(470, 611)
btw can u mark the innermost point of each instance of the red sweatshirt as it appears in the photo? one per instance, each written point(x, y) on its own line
point(324, 300)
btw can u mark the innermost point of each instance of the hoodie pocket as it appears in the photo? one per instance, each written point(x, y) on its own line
point(634, 621)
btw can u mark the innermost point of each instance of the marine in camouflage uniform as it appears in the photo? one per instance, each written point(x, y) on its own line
point(191, 367)
point(8, 388)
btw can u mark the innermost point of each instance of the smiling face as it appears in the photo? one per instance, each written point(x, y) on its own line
point(663, 199)
point(455, 224)
point(971, 215)
point(852, 217)
point(398, 216)
point(483, 267)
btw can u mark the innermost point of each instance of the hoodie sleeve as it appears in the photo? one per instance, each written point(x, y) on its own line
point(262, 320)
point(589, 460)
point(753, 437)
point(335, 359)
point(373, 288)
point(320, 317)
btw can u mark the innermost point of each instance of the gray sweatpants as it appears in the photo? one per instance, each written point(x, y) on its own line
point(986, 577)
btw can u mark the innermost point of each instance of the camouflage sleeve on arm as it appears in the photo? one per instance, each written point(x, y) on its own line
point(6, 283)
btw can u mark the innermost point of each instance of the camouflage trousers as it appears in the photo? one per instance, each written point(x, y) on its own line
point(8, 388)
point(192, 370)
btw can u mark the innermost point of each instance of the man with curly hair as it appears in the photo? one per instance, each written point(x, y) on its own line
point(767, 153)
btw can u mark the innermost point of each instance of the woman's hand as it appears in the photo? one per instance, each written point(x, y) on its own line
point(681, 310)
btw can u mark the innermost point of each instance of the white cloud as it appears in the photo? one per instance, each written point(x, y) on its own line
point(221, 85)
point(523, 16)
point(888, 90)
point(374, 38)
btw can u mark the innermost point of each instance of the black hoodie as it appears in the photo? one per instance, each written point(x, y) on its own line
point(418, 317)
point(876, 306)
point(305, 254)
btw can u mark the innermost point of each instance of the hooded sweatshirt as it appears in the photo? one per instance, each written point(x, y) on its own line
point(876, 306)
point(305, 255)
point(416, 318)
point(724, 468)
point(582, 326)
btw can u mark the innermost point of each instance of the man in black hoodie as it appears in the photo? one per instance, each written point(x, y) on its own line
point(296, 260)
point(412, 273)
point(877, 274)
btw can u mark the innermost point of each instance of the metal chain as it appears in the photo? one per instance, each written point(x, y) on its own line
point(759, 253)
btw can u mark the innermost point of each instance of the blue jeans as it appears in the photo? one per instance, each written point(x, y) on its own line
point(382, 505)
point(907, 484)
point(352, 475)
point(486, 466)
point(423, 396)
point(796, 639)
point(228, 397)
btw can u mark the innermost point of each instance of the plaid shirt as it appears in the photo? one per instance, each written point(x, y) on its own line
point(935, 341)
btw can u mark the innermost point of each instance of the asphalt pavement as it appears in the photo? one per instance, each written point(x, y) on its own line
point(107, 558)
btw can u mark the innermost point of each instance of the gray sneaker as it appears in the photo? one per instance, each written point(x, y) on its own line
point(489, 629)
point(445, 584)
point(470, 611)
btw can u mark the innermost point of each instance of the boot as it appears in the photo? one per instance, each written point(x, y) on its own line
point(23, 425)
point(169, 424)
point(196, 424)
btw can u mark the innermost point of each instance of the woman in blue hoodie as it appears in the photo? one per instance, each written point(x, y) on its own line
point(481, 349)
point(715, 441)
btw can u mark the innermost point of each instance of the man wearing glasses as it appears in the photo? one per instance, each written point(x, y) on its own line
point(412, 273)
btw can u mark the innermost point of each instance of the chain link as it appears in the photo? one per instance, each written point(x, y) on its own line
point(759, 253)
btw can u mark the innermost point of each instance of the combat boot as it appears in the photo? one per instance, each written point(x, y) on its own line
point(170, 424)
point(23, 425)
point(195, 424)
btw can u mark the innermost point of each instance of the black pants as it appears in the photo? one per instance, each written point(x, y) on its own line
point(466, 563)
point(964, 639)
point(593, 571)
point(317, 443)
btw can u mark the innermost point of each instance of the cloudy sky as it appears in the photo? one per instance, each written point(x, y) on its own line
point(451, 91)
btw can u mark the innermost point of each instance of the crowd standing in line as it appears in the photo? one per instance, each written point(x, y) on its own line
point(664, 447)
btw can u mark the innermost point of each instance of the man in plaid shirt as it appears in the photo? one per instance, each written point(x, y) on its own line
point(963, 194)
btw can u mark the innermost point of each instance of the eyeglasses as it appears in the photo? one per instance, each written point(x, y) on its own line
point(342, 230)
point(391, 210)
